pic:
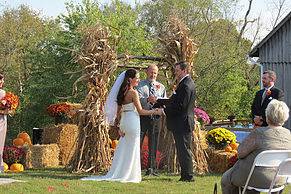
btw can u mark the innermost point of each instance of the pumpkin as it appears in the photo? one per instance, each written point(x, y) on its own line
point(234, 146)
point(114, 144)
point(24, 136)
point(18, 142)
point(5, 167)
point(228, 148)
point(16, 167)
point(28, 142)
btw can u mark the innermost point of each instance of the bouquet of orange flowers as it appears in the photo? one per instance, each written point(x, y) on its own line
point(55, 110)
point(9, 101)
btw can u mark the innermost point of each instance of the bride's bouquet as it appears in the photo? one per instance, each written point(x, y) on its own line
point(9, 102)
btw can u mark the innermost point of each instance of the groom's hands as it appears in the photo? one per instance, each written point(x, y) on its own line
point(159, 111)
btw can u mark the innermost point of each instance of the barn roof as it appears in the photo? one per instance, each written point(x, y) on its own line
point(255, 51)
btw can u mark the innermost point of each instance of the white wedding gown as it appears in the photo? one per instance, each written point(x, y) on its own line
point(126, 160)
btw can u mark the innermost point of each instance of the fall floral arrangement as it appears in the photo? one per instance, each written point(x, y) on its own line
point(9, 101)
point(219, 138)
point(145, 156)
point(59, 109)
point(201, 115)
point(13, 154)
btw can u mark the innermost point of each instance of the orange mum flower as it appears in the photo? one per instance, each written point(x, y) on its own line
point(9, 101)
point(58, 109)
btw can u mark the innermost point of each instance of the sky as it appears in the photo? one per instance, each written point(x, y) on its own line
point(264, 8)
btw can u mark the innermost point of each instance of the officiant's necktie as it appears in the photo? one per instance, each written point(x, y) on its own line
point(152, 89)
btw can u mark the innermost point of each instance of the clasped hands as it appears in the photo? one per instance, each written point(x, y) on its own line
point(158, 111)
point(258, 120)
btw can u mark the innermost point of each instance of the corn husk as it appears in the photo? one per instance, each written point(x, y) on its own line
point(199, 145)
point(98, 59)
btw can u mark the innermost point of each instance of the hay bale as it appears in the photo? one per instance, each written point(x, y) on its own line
point(218, 160)
point(41, 156)
point(64, 135)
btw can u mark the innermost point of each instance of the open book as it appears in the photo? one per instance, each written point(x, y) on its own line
point(161, 102)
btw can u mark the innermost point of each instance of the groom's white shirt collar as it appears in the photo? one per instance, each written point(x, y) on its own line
point(268, 88)
point(183, 78)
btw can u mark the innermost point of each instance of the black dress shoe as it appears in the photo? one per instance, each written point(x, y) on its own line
point(190, 179)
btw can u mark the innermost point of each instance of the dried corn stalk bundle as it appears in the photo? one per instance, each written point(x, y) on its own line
point(176, 46)
point(199, 147)
point(98, 60)
point(167, 147)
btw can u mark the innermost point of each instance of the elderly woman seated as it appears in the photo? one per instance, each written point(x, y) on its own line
point(272, 137)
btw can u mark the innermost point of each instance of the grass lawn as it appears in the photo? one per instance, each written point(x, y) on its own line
point(59, 181)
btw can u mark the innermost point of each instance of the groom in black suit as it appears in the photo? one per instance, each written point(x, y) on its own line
point(264, 96)
point(180, 119)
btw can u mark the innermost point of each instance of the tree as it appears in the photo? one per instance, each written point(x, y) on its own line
point(22, 31)
point(222, 74)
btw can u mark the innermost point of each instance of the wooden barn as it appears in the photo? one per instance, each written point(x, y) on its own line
point(274, 53)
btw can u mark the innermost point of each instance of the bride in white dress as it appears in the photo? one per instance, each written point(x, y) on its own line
point(123, 107)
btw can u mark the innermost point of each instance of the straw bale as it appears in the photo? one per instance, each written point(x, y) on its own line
point(218, 160)
point(64, 135)
point(42, 156)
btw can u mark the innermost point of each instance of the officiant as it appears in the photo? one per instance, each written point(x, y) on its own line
point(149, 91)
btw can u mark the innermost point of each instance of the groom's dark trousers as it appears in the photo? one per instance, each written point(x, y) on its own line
point(180, 120)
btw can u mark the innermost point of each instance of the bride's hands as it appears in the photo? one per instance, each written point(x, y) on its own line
point(159, 111)
point(121, 133)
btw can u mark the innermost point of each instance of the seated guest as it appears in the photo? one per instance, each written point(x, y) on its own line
point(272, 137)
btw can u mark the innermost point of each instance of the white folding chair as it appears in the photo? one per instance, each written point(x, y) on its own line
point(284, 170)
point(268, 158)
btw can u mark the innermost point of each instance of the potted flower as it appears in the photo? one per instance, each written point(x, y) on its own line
point(219, 138)
point(13, 154)
point(201, 116)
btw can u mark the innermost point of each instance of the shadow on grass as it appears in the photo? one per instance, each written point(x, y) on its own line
point(51, 173)
point(62, 173)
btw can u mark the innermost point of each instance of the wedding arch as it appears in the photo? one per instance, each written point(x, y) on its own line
point(99, 61)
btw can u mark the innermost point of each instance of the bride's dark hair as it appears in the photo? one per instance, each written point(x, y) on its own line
point(130, 73)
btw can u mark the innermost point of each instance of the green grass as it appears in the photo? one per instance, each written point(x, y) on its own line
point(59, 181)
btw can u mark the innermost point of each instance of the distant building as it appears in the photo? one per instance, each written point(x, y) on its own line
point(274, 53)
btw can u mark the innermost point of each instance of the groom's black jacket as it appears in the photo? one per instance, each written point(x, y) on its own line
point(259, 107)
point(180, 111)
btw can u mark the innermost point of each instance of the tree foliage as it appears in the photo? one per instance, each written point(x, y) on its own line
point(224, 81)
point(37, 53)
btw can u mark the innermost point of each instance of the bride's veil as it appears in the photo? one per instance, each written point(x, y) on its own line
point(111, 101)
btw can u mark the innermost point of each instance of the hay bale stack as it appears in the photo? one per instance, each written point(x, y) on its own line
point(64, 135)
point(41, 156)
point(218, 160)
